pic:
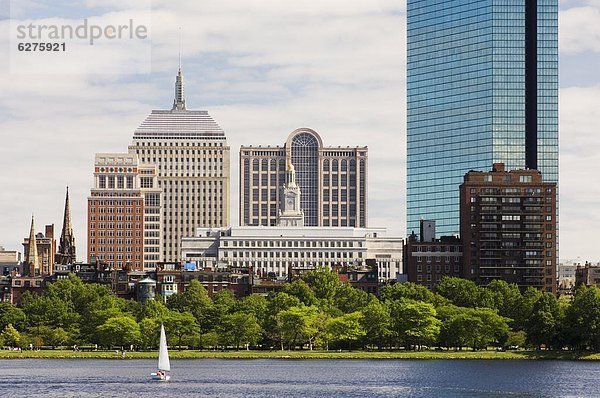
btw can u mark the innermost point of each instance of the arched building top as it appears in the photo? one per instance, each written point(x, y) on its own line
point(303, 130)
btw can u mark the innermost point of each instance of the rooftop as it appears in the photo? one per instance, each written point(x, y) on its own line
point(178, 124)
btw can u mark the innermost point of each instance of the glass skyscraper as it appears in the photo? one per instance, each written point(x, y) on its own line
point(482, 89)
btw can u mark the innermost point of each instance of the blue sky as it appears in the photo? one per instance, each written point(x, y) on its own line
point(262, 69)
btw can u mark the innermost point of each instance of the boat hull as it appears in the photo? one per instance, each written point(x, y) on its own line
point(156, 377)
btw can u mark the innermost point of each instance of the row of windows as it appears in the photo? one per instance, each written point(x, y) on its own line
point(291, 243)
point(294, 254)
point(438, 268)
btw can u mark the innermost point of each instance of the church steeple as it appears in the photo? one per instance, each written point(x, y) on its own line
point(66, 248)
point(31, 261)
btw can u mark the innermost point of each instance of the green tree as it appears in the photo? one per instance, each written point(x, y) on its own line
point(348, 299)
point(507, 299)
point(195, 300)
point(209, 340)
point(182, 326)
point(297, 325)
point(323, 281)
point(517, 339)
point(152, 309)
point(10, 336)
point(414, 323)
point(465, 293)
point(240, 328)
point(474, 327)
point(543, 325)
point(150, 332)
point(276, 302)
point(121, 330)
point(12, 315)
point(346, 329)
point(302, 291)
point(376, 322)
point(256, 305)
point(411, 291)
point(51, 336)
point(224, 303)
point(48, 311)
point(583, 319)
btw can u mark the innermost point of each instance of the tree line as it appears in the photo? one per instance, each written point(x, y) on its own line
point(316, 311)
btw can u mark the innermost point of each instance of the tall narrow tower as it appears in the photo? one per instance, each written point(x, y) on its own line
point(290, 213)
point(66, 247)
point(31, 256)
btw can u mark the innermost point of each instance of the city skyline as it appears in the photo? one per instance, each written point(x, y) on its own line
point(340, 77)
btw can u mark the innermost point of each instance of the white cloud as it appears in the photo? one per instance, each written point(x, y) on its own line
point(580, 29)
point(579, 192)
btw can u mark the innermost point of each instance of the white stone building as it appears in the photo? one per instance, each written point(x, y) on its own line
point(271, 251)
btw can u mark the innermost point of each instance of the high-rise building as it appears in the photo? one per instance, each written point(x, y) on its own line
point(333, 181)
point(482, 88)
point(124, 213)
point(191, 154)
point(66, 247)
point(508, 227)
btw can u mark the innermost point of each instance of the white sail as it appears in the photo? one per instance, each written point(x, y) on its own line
point(163, 353)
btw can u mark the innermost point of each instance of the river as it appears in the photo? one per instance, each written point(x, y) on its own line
point(300, 378)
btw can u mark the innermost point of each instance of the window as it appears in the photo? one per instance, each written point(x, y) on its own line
point(146, 182)
point(102, 182)
point(525, 178)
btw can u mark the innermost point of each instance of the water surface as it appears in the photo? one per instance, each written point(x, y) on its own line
point(300, 378)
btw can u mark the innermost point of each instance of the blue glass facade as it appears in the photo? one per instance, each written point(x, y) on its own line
point(482, 88)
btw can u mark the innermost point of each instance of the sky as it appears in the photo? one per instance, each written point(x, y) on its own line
point(262, 69)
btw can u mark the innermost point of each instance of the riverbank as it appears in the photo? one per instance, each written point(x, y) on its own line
point(242, 354)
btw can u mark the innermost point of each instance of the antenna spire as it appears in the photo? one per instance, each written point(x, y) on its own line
point(179, 101)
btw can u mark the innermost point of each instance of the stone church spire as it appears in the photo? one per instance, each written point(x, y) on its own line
point(31, 261)
point(66, 248)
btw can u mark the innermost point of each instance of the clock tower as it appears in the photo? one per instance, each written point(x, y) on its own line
point(290, 214)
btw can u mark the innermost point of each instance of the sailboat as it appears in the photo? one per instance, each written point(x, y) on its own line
point(164, 365)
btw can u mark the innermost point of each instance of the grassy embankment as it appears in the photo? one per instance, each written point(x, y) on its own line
point(192, 354)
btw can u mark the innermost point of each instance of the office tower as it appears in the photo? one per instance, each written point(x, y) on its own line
point(192, 158)
point(66, 247)
point(333, 181)
point(124, 213)
point(39, 249)
point(508, 227)
point(482, 89)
